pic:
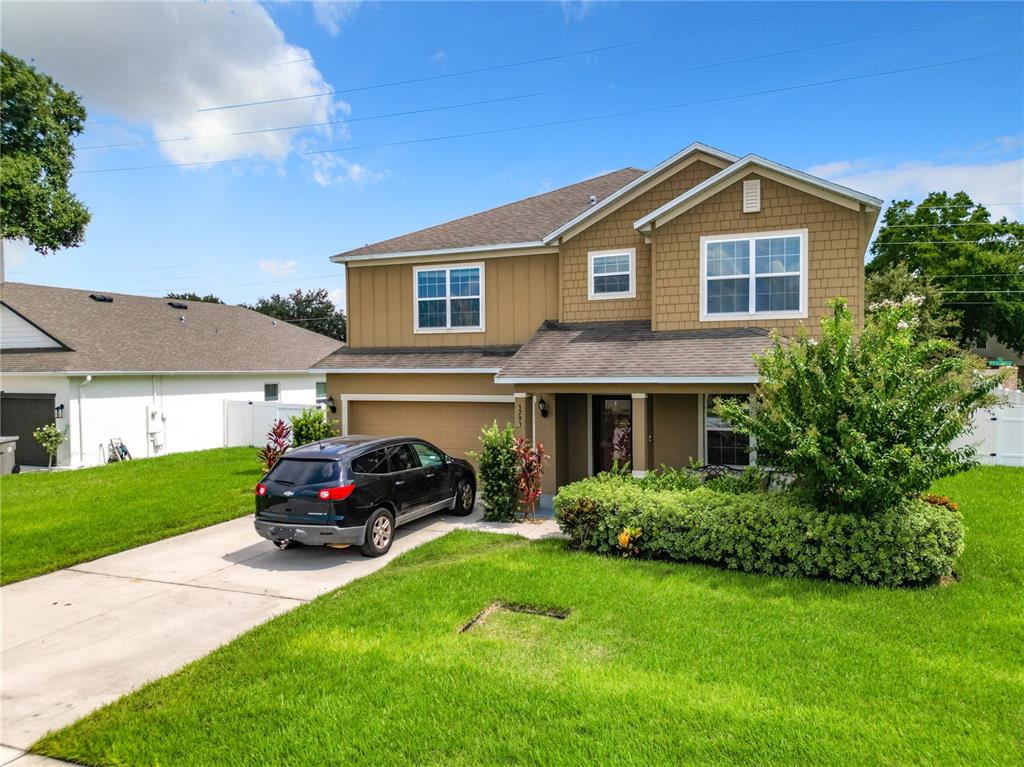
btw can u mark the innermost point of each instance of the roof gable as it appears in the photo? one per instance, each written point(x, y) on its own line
point(632, 190)
point(805, 182)
point(17, 332)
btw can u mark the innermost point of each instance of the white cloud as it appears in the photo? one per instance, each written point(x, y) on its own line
point(440, 57)
point(986, 182)
point(331, 14)
point(16, 253)
point(337, 297)
point(278, 268)
point(155, 63)
point(333, 170)
point(576, 10)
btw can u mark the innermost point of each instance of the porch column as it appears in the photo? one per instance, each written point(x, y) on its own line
point(641, 442)
point(523, 415)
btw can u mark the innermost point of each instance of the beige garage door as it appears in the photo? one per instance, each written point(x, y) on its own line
point(452, 426)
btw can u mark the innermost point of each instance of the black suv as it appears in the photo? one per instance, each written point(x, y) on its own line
point(357, 490)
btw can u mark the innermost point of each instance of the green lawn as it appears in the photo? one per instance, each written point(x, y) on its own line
point(54, 520)
point(657, 663)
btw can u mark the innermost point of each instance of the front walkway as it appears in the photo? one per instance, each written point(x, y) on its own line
point(79, 638)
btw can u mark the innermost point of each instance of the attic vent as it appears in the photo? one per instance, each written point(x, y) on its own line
point(177, 305)
point(752, 196)
point(101, 298)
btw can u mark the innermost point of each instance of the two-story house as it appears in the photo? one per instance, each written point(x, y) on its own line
point(602, 318)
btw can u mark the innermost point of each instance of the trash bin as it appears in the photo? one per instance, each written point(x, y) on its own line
point(7, 447)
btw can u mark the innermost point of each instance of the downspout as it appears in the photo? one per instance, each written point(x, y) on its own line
point(81, 400)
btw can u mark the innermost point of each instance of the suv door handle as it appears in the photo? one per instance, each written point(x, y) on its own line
point(430, 475)
point(399, 481)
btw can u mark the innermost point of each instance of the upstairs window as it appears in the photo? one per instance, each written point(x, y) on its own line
point(744, 276)
point(612, 274)
point(449, 298)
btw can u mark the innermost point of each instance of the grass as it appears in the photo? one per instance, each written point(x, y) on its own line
point(54, 520)
point(657, 663)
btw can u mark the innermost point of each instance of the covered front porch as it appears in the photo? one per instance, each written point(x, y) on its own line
point(587, 431)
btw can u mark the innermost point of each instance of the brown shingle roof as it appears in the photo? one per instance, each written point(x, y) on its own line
point(144, 334)
point(384, 359)
point(631, 350)
point(526, 220)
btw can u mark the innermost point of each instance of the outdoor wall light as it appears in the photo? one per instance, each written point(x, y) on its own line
point(542, 406)
point(330, 405)
point(60, 410)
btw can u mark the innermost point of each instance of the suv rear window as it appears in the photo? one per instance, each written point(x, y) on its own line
point(291, 471)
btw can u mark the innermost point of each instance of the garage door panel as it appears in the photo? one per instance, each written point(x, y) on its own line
point(452, 426)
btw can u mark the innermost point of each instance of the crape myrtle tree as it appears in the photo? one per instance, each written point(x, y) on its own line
point(38, 120)
point(863, 420)
point(976, 264)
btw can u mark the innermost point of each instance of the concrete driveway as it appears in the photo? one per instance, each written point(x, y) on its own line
point(79, 638)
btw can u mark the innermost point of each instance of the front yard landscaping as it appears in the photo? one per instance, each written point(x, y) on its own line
point(654, 663)
point(54, 520)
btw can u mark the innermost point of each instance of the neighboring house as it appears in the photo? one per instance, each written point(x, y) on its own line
point(152, 372)
point(602, 318)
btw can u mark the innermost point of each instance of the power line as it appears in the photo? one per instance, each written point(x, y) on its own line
point(966, 205)
point(496, 67)
point(571, 121)
point(502, 99)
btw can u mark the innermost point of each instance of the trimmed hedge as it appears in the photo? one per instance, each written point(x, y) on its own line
point(771, 533)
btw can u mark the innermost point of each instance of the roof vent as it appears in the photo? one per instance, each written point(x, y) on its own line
point(177, 305)
point(593, 199)
point(101, 298)
point(752, 196)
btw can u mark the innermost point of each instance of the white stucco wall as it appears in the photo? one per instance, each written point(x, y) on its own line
point(187, 411)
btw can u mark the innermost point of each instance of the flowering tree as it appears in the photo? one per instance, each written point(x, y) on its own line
point(865, 421)
point(51, 438)
point(530, 457)
point(278, 440)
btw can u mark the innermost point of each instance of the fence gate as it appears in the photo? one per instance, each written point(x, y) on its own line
point(998, 433)
point(246, 423)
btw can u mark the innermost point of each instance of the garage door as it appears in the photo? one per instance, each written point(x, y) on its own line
point(452, 426)
point(22, 414)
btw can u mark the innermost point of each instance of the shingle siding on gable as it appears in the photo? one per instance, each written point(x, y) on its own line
point(836, 245)
point(616, 231)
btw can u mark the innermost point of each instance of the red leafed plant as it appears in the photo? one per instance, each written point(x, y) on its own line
point(278, 440)
point(531, 471)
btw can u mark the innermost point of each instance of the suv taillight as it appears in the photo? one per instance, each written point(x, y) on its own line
point(336, 493)
point(261, 490)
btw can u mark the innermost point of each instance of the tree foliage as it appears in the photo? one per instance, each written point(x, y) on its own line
point(863, 421)
point(312, 309)
point(311, 425)
point(39, 120)
point(896, 284)
point(209, 298)
point(975, 261)
point(499, 472)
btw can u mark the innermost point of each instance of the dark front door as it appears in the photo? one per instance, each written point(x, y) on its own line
point(20, 415)
point(613, 431)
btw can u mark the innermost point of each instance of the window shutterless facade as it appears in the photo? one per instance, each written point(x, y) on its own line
point(722, 445)
point(745, 276)
point(271, 392)
point(321, 392)
point(448, 299)
point(611, 274)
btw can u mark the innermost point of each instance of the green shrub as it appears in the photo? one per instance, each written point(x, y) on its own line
point(863, 421)
point(311, 425)
point(771, 533)
point(667, 478)
point(499, 472)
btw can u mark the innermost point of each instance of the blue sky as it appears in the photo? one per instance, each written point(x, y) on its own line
point(268, 222)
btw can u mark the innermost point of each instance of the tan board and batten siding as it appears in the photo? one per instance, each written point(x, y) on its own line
point(520, 292)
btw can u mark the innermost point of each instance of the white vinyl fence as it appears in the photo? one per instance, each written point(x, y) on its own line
point(247, 423)
point(998, 433)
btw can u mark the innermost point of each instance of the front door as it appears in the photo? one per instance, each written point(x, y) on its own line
point(613, 431)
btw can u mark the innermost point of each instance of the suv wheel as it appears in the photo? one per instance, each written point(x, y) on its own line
point(380, 532)
point(465, 498)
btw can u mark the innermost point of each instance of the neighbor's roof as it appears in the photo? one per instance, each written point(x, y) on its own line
point(142, 334)
point(630, 351)
point(524, 222)
point(419, 359)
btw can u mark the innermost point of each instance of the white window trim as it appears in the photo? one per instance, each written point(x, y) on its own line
point(271, 383)
point(448, 298)
point(631, 293)
point(800, 313)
